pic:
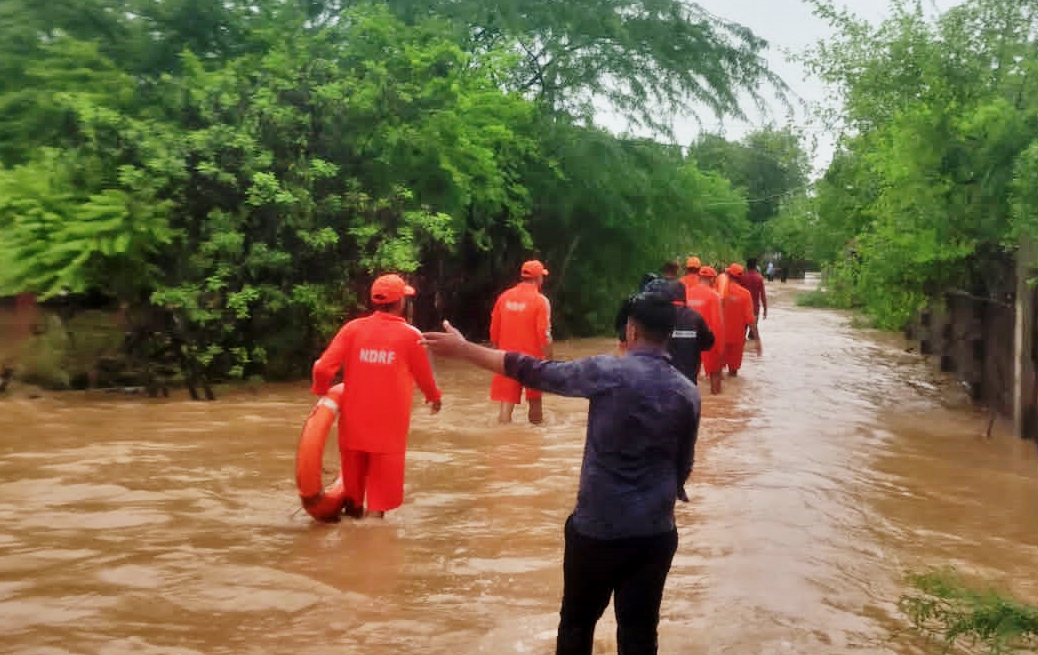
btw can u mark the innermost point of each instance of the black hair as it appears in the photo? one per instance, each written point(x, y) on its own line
point(620, 323)
point(751, 263)
point(648, 277)
point(671, 268)
point(655, 314)
point(672, 290)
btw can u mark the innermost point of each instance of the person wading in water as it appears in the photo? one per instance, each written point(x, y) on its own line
point(705, 300)
point(738, 317)
point(521, 321)
point(691, 277)
point(691, 335)
point(642, 423)
point(381, 357)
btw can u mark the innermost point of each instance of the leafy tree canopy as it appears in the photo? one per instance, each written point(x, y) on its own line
point(930, 187)
point(248, 167)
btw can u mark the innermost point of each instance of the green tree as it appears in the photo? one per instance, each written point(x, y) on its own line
point(648, 59)
point(244, 169)
point(619, 209)
point(770, 166)
point(939, 114)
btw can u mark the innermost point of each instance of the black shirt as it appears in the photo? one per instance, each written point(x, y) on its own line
point(690, 338)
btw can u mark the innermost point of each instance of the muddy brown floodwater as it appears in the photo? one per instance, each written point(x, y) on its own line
point(836, 463)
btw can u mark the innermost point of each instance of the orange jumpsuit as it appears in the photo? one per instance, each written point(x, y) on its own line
point(520, 322)
point(690, 280)
point(382, 357)
point(721, 286)
point(705, 300)
point(738, 314)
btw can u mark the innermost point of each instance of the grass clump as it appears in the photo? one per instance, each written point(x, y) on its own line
point(949, 612)
point(820, 298)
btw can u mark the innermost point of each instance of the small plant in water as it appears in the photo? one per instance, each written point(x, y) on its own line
point(948, 611)
point(819, 298)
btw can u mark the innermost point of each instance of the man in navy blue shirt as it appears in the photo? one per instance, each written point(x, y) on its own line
point(642, 424)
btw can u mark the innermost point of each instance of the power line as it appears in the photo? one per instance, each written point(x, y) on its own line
point(751, 201)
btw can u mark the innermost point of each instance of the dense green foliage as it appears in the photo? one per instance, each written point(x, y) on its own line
point(949, 611)
point(933, 181)
point(250, 166)
point(772, 168)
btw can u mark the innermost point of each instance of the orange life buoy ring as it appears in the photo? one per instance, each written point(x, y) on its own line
point(324, 504)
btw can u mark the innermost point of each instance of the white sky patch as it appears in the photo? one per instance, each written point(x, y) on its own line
point(788, 26)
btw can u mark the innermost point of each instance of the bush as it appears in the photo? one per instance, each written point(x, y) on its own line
point(947, 610)
point(821, 298)
point(44, 360)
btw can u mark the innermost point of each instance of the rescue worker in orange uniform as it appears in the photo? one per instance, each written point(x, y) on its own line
point(721, 286)
point(381, 357)
point(521, 322)
point(738, 316)
point(691, 277)
point(705, 300)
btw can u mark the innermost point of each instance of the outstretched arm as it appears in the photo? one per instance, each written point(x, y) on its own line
point(580, 378)
point(450, 343)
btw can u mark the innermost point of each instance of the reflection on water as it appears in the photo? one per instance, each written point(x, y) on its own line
point(837, 462)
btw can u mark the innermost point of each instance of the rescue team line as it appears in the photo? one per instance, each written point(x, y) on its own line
point(323, 504)
point(381, 358)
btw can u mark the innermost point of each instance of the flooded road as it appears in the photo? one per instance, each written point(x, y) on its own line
point(834, 464)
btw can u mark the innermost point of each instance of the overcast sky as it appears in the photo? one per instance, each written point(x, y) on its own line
point(787, 25)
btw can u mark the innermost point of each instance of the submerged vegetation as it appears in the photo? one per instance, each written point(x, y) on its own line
point(951, 613)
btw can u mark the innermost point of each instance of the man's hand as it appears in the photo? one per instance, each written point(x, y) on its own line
point(435, 406)
point(449, 343)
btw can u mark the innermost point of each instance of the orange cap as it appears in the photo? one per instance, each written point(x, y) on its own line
point(693, 262)
point(707, 271)
point(390, 288)
point(533, 268)
point(736, 269)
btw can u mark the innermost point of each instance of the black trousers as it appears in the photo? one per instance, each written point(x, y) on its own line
point(633, 571)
